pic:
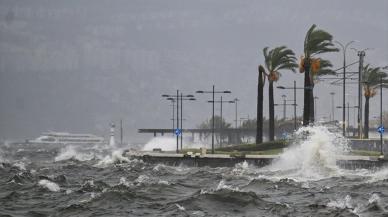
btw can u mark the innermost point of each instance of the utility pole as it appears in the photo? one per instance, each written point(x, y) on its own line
point(381, 116)
point(332, 106)
point(221, 125)
point(213, 93)
point(121, 132)
point(344, 84)
point(181, 121)
point(284, 106)
point(294, 105)
point(361, 54)
point(177, 120)
point(173, 116)
point(347, 130)
point(213, 123)
point(236, 100)
point(315, 104)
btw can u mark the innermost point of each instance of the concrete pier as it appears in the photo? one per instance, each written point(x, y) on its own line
point(222, 160)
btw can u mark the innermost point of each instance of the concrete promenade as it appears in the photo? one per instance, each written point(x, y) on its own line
point(223, 160)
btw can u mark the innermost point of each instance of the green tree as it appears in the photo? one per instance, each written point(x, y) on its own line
point(371, 81)
point(317, 41)
point(260, 90)
point(218, 124)
point(277, 59)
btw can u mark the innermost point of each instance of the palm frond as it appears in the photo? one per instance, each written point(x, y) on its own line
point(372, 76)
point(279, 58)
point(318, 41)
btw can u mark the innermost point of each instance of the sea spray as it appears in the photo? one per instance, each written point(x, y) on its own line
point(313, 154)
point(72, 152)
point(49, 185)
point(115, 157)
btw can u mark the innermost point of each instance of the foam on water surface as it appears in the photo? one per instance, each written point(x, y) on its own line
point(52, 186)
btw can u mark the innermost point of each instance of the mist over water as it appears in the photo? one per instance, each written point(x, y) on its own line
point(84, 180)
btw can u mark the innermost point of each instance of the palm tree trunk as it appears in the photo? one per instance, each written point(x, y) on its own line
point(259, 121)
point(271, 113)
point(366, 123)
point(307, 99)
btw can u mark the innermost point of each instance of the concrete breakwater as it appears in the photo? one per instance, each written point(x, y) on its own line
point(221, 160)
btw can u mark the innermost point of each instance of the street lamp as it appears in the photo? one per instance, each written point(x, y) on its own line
point(188, 98)
point(294, 88)
point(176, 99)
point(381, 128)
point(236, 102)
point(361, 54)
point(221, 102)
point(173, 113)
point(332, 106)
point(315, 104)
point(348, 107)
point(284, 106)
point(213, 92)
point(344, 82)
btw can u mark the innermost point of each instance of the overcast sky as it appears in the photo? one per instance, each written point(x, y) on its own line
point(77, 65)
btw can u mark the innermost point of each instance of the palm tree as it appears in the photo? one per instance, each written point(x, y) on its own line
point(276, 59)
point(371, 81)
point(316, 42)
point(259, 121)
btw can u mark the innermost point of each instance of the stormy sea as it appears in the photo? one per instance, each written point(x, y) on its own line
point(97, 180)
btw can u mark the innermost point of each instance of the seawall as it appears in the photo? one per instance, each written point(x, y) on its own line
point(218, 160)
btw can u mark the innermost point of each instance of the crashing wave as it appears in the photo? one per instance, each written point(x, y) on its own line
point(313, 156)
point(70, 152)
point(115, 157)
point(52, 186)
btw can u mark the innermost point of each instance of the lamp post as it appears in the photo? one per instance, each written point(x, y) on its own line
point(236, 102)
point(188, 98)
point(221, 102)
point(348, 122)
point(173, 113)
point(315, 104)
point(332, 106)
point(294, 88)
point(213, 92)
point(381, 117)
point(182, 98)
point(284, 106)
point(176, 98)
point(361, 55)
point(344, 82)
point(121, 132)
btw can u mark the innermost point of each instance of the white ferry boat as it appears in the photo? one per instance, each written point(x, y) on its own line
point(66, 138)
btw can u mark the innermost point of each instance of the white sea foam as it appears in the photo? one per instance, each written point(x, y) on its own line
point(123, 181)
point(221, 185)
point(20, 165)
point(71, 152)
point(142, 179)
point(115, 157)
point(49, 185)
point(314, 156)
point(341, 203)
point(180, 207)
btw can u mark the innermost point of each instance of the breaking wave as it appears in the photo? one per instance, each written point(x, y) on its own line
point(313, 155)
point(72, 152)
point(52, 186)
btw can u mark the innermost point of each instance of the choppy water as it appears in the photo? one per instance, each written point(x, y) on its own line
point(48, 180)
